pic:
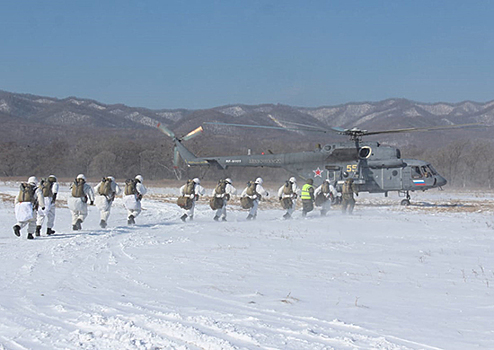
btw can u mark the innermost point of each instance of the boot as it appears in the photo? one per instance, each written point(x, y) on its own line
point(287, 216)
point(38, 231)
point(79, 224)
point(75, 227)
point(49, 231)
point(216, 218)
point(249, 217)
point(102, 223)
point(323, 212)
point(183, 217)
point(223, 218)
point(130, 220)
point(30, 236)
point(17, 230)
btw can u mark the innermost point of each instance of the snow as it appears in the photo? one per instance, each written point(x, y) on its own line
point(4, 106)
point(76, 102)
point(142, 119)
point(387, 277)
point(97, 106)
point(234, 111)
point(44, 101)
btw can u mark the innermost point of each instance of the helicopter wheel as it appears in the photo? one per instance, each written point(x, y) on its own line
point(405, 202)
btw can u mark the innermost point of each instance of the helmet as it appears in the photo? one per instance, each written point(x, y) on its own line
point(196, 180)
point(111, 178)
point(292, 180)
point(258, 181)
point(228, 180)
point(139, 178)
point(33, 181)
point(81, 177)
point(327, 180)
point(53, 178)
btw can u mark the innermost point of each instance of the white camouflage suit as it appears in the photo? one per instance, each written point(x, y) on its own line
point(198, 191)
point(49, 212)
point(229, 191)
point(326, 206)
point(78, 206)
point(25, 212)
point(293, 196)
point(132, 202)
point(256, 198)
point(104, 203)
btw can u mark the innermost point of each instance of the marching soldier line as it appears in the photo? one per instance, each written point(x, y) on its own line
point(36, 200)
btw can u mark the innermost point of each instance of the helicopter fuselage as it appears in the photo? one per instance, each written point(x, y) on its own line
point(374, 167)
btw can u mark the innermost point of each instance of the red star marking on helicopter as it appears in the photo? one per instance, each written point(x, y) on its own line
point(317, 172)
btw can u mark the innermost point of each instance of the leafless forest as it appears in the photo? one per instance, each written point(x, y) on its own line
point(464, 163)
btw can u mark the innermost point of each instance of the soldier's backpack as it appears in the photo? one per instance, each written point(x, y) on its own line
point(325, 187)
point(105, 187)
point(246, 202)
point(288, 188)
point(216, 203)
point(287, 202)
point(185, 202)
point(46, 186)
point(78, 188)
point(321, 198)
point(130, 187)
point(220, 189)
point(26, 193)
point(251, 189)
point(219, 193)
point(189, 187)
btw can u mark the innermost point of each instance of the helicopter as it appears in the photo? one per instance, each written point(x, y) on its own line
point(375, 168)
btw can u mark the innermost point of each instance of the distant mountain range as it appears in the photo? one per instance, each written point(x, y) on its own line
point(72, 113)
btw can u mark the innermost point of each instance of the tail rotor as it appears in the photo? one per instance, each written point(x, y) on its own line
point(178, 146)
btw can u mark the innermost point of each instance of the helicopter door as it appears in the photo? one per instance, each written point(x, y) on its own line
point(407, 177)
point(391, 178)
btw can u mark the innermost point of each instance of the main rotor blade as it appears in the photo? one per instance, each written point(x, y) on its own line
point(422, 129)
point(316, 128)
point(176, 155)
point(264, 127)
point(165, 130)
point(193, 133)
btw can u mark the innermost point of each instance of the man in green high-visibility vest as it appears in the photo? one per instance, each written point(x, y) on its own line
point(307, 196)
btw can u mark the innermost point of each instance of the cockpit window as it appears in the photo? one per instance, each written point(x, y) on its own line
point(416, 174)
point(432, 170)
point(425, 171)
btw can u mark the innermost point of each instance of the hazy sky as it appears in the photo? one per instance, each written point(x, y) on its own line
point(201, 54)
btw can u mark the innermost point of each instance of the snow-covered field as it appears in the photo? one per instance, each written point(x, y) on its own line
point(387, 277)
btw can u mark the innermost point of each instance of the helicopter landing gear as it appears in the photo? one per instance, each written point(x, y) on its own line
point(406, 201)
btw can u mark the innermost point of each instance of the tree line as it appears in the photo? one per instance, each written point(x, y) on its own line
point(464, 163)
